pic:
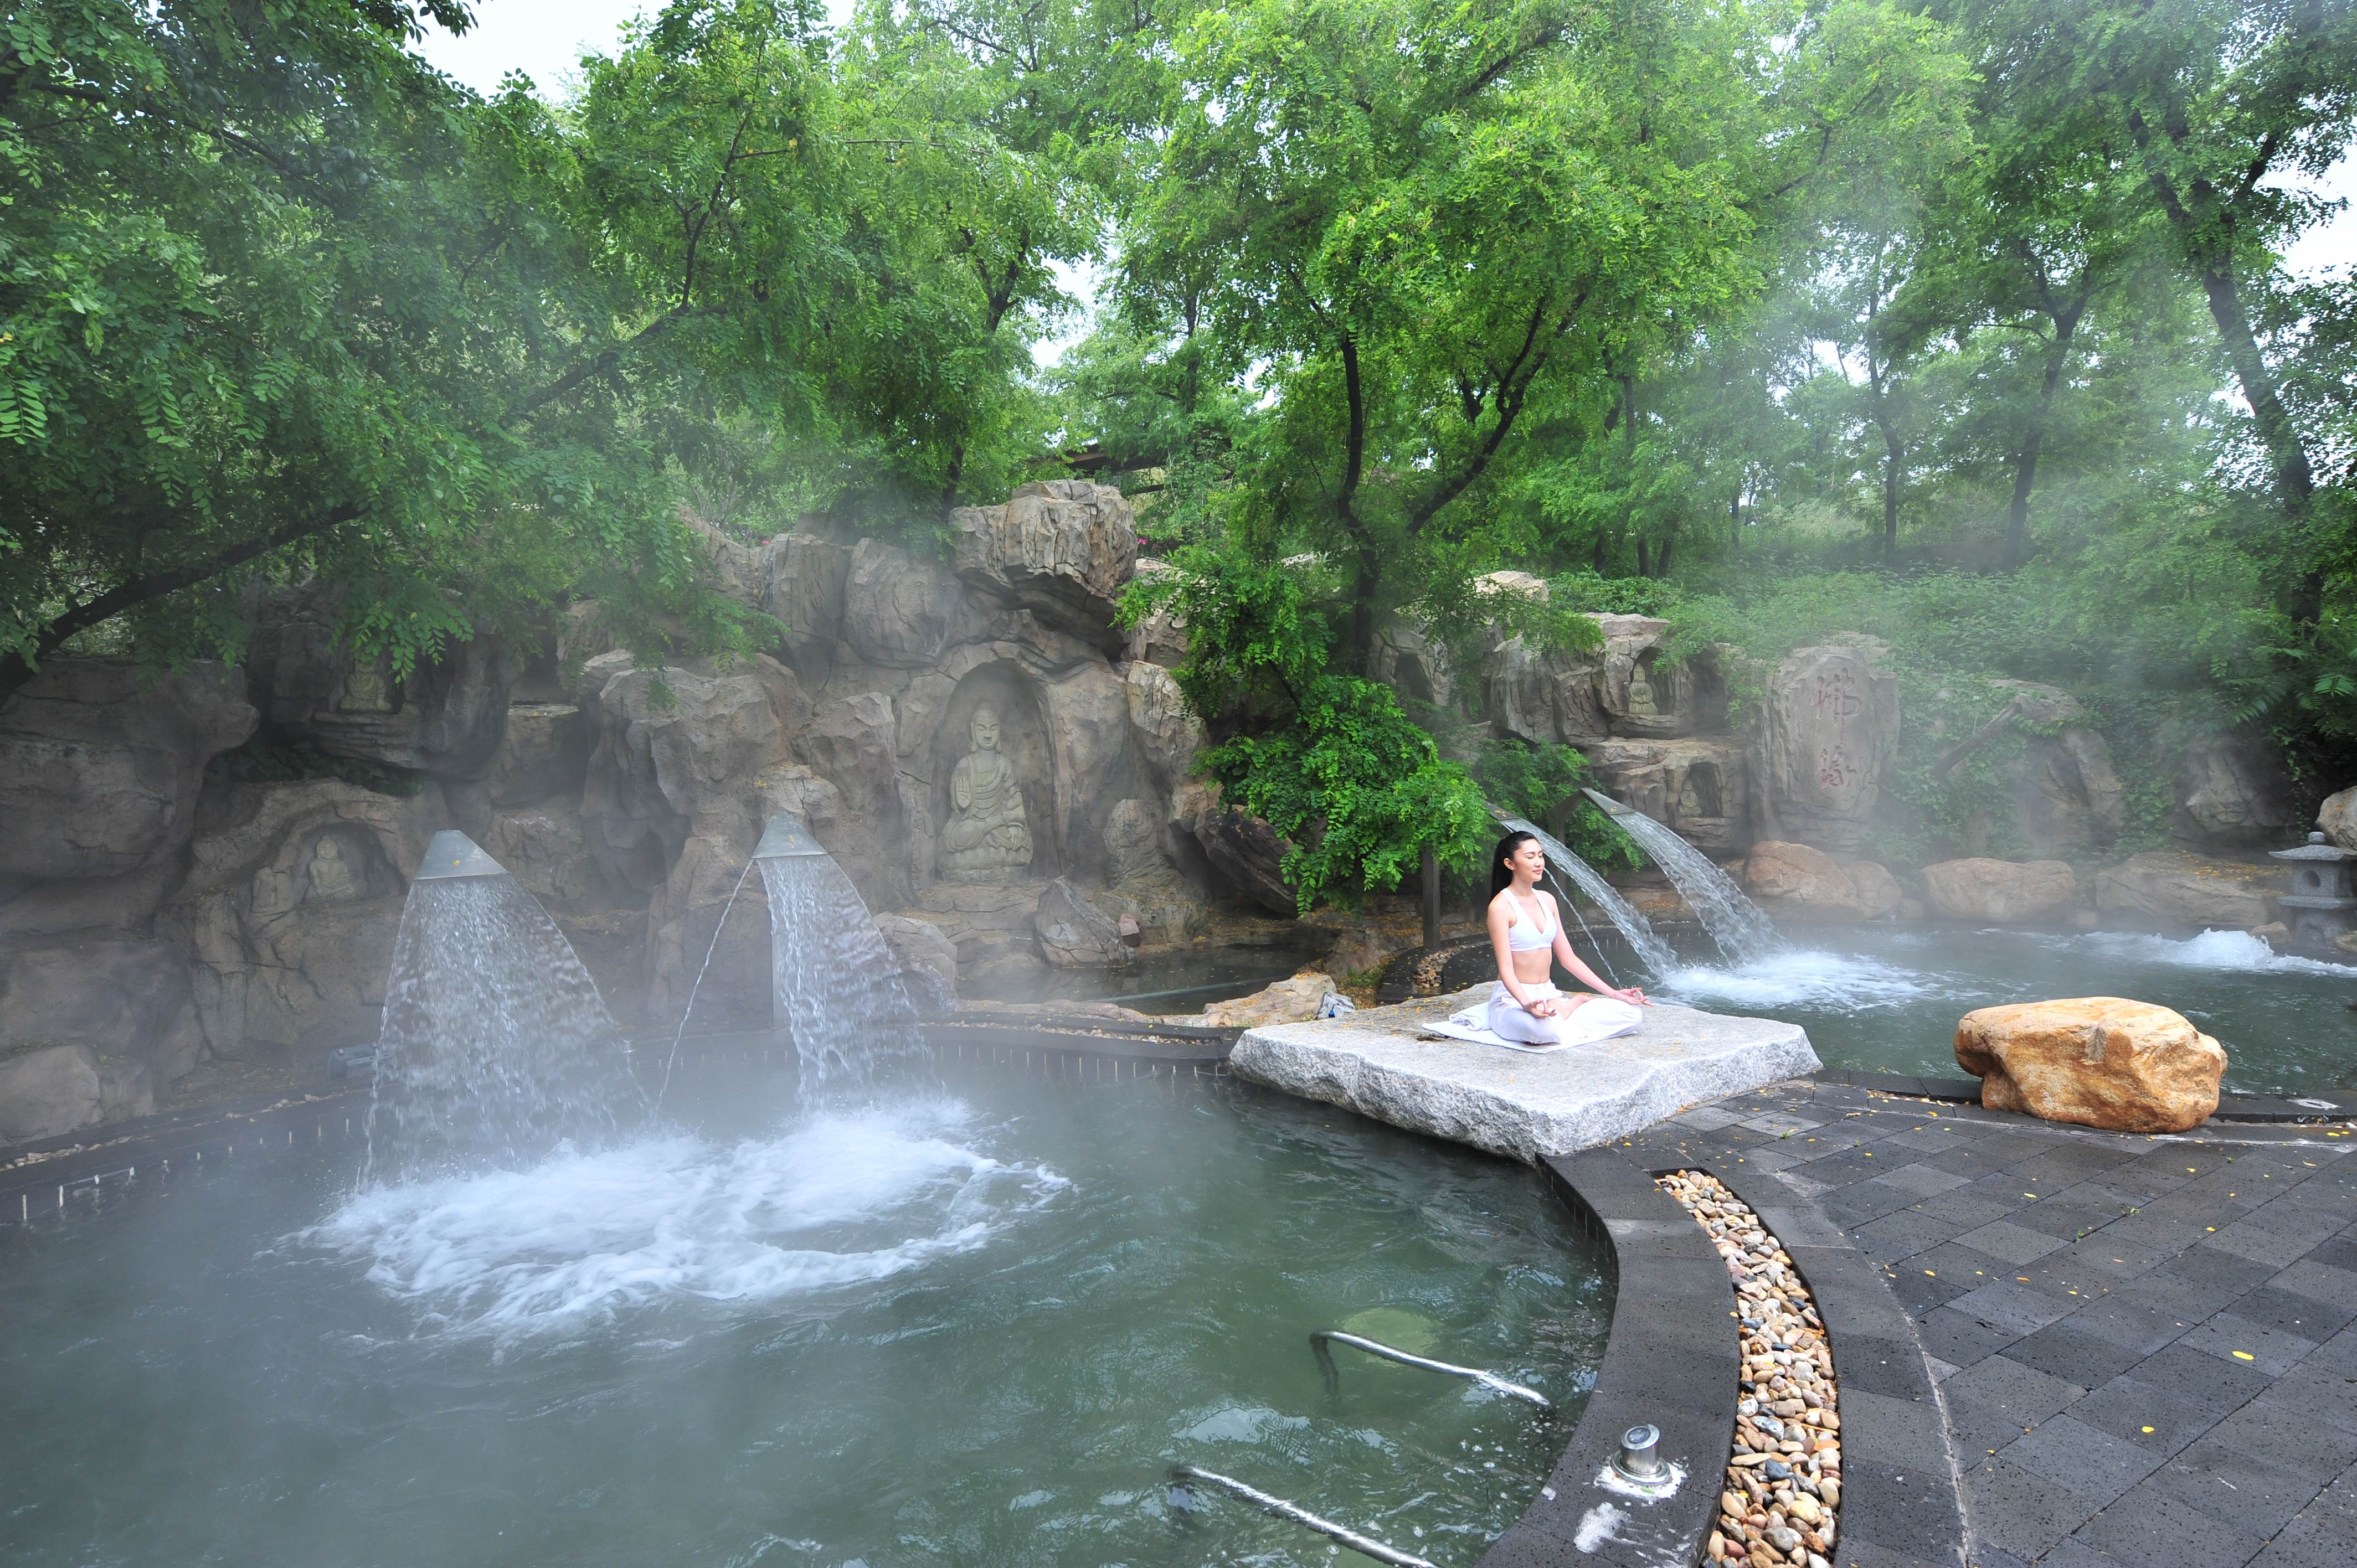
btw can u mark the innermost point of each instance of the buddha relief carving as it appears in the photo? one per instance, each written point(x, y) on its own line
point(331, 878)
point(366, 690)
point(1641, 705)
point(987, 836)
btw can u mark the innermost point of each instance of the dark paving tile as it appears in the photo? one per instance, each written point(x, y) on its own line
point(2308, 1225)
point(2195, 1375)
point(2245, 1491)
point(2207, 1265)
point(2341, 1252)
point(1899, 1431)
point(2061, 1350)
point(2085, 1459)
point(2151, 1525)
point(1856, 1165)
point(1920, 1181)
point(1880, 1366)
point(1950, 1261)
point(2260, 1245)
point(2131, 1325)
point(2160, 1420)
point(2026, 1395)
point(1963, 1209)
point(2011, 1307)
point(1920, 1290)
point(2231, 1338)
point(2311, 1317)
point(2193, 1300)
point(2011, 1242)
point(1956, 1339)
point(2320, 1394)
point(1898, 1506)
point(1855, 1204)
point(1902, 1234)
point(2018, 1512)
point(1930, 1139)
point(2278, 1428)
point(2068, 1221)
point(2321, 1535)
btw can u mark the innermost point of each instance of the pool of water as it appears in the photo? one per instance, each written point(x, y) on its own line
point(1886, 998)
point(976, 1323)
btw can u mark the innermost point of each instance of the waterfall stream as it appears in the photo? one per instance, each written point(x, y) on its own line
point(1739, 927)
point(496, 1046)
point(836, 987)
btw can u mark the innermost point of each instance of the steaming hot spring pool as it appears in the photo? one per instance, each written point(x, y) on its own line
point(974, 1322)
point(1886, 998)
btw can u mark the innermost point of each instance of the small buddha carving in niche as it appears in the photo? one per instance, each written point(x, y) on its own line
point(1641, 693)
point(987, 836)
point(366, 690)
point(331, 879)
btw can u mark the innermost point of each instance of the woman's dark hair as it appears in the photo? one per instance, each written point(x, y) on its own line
point(1500, 877)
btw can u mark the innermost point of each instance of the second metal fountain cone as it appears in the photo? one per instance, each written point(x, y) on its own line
point(453, 853)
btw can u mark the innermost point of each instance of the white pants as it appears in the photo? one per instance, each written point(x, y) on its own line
point(1598, 1018)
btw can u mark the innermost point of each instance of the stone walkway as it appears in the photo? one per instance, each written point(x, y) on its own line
point(2144, 1347)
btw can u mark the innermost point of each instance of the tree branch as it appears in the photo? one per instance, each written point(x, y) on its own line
point(15, 669)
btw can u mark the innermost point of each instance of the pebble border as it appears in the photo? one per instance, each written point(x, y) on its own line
point(1781, 1500)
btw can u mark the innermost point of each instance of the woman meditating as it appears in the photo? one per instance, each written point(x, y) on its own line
point(1526, 932)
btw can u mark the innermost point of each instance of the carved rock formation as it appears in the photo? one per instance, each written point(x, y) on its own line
point(2233, 789)
point(100, 765)
point(289, 912)
point(2176, 888)
point(1829, 731)
point(1699, 788)
point(899, 610)
point(2002, 892)
point(1795, 882)
point(1240, 847)
point(804, 581)
point(1284, 1002)
point(444, 718)
point(122, 1002)
point(2337, 818)
point(1073, 934)
point(1063, 549)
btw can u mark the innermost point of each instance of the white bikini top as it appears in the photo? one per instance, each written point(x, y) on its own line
point(1523, 936)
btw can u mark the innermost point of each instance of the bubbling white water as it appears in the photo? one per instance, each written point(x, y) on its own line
point(583, 1240)
point(2228, 951)
point(1847, 983)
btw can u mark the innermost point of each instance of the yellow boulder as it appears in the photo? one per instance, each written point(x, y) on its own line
point(2101, 1061)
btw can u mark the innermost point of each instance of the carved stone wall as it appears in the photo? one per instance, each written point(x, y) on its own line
point(1830, 730)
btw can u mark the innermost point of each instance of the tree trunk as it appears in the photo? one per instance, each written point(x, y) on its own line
point(1894, 454)
point(1735, 520)
point(2025, 462)
point(1354, 461)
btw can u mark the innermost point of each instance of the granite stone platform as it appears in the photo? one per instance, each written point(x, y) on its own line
point(1386, 1063)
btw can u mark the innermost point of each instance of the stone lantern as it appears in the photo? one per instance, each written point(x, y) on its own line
point(2321, 904)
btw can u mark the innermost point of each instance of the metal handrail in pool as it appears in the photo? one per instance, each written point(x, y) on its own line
point(1365, 1545)
point(1491, 1380)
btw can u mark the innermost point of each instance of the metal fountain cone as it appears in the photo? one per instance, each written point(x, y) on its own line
point(1610, 805)
point(784, 837)
point(453, 853)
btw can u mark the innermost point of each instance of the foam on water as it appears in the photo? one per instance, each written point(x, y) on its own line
point(584, 1238)
point(1845, 982)
point(2224, 951)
